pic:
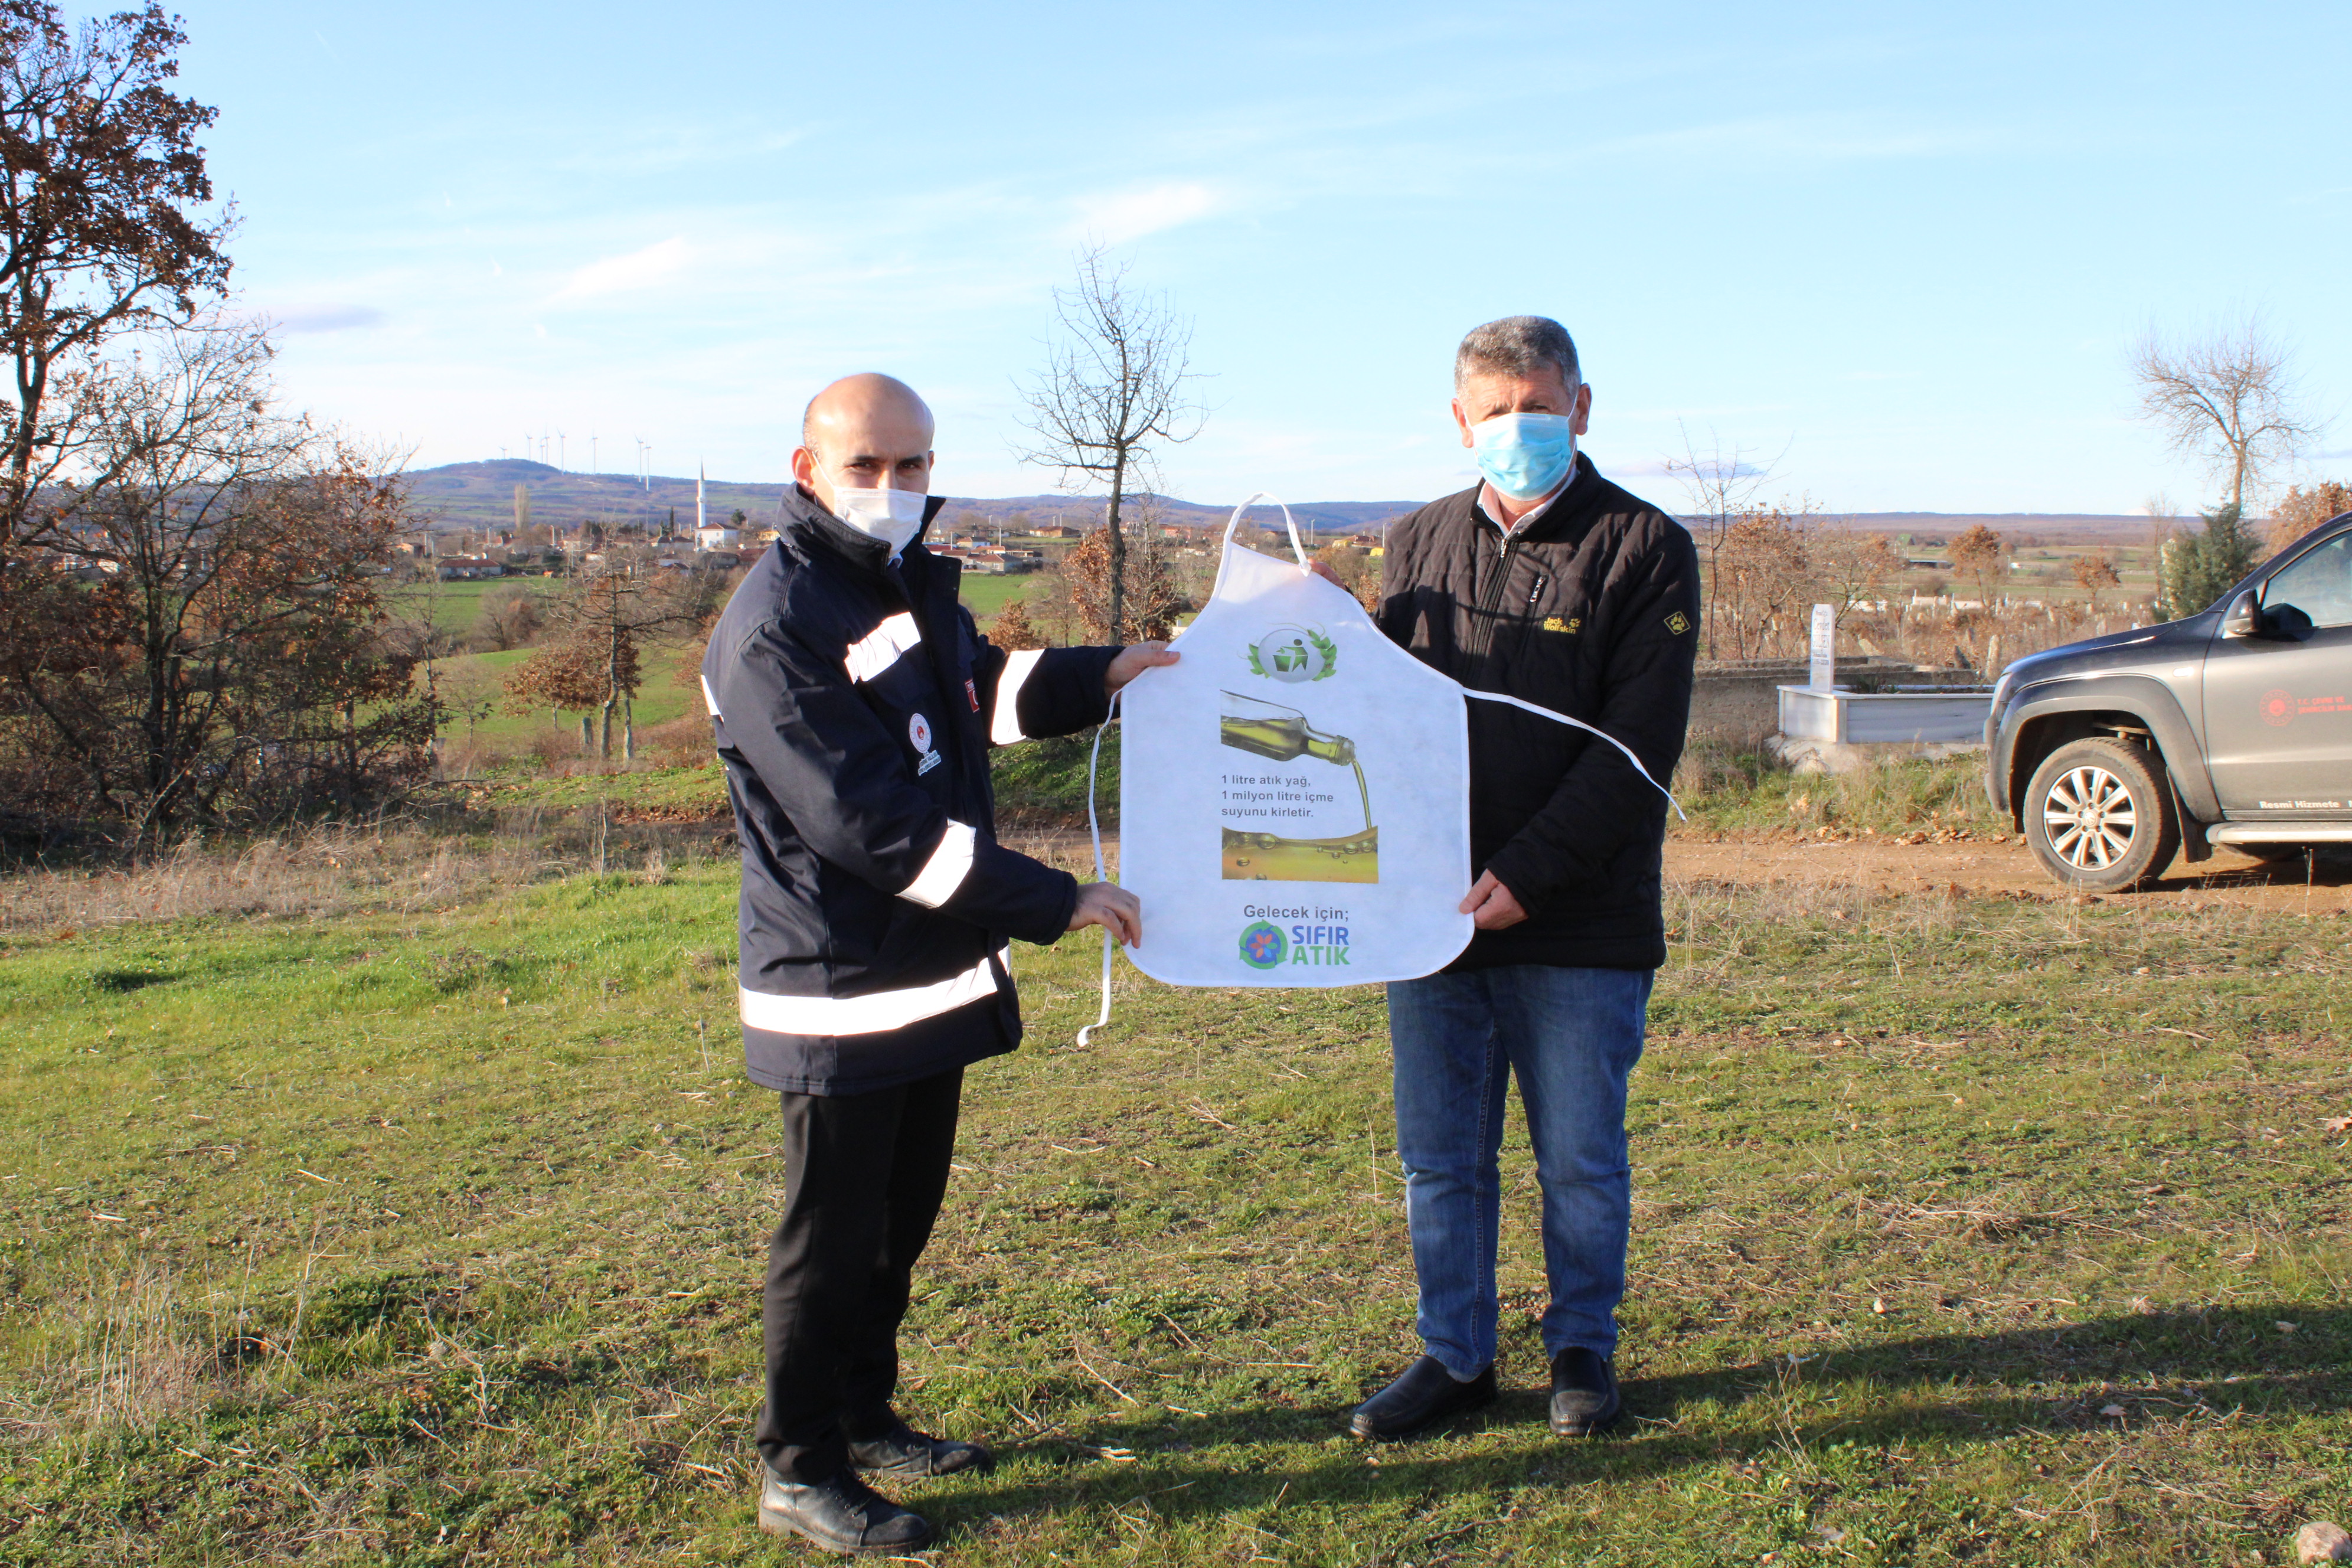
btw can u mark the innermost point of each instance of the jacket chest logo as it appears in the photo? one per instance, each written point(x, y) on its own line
point(919, 732)
point(1571, 625)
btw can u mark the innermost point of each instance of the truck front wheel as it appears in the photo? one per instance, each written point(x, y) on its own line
point(2099, 816)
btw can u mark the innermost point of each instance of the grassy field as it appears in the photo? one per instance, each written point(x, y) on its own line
point(984, 597)
point(1722, 789)
point(478, 680)
point(474, 681)
point(456, 607)
point(1966, 1232)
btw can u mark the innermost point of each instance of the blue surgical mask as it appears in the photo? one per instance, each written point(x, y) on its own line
point(1525, 454)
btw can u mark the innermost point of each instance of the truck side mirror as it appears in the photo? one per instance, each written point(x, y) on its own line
point(2286, 623)
point(2242, 619)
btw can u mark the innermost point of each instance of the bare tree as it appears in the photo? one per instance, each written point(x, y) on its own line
point(1721, 488)
point(1763, 573)
point(510, 618)
point(1851, 568)
point(2230, 398)
point(1112, 390)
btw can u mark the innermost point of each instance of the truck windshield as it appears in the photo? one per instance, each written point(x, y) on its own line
point(2319, 585)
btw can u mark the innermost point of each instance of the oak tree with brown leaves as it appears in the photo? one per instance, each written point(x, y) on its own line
point(2300, 510)
point(608, 619)
point(1152, 602)
point(207, 642)
point(2093, 573)
point(1014, 631)
point(107, 230)
point(1978, 551)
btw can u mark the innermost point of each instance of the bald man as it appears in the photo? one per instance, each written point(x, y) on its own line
point(855, 702)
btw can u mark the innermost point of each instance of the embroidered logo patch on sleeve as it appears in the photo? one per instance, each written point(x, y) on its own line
point(1678, 622)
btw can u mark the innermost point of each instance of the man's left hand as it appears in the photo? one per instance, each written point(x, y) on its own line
point(1133, 661)
point(1491, 905)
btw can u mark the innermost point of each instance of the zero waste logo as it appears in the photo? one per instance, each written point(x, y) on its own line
point(1291, 654)
point(1262, 945)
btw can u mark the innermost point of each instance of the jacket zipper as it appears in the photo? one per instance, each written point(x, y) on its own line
point(1491, 601)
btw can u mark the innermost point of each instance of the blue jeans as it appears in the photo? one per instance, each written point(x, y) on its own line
point(1572, 1037)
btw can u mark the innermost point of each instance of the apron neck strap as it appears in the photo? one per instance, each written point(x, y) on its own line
point(1236, 521)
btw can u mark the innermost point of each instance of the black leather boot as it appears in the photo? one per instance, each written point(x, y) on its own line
point(905, 1454)
point(843, 1514)
point(1422, 1395)
point(1584, 1398)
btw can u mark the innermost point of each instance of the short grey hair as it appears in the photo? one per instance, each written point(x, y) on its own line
point(1516, 345)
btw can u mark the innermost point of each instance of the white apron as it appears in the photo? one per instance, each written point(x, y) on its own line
point(1294, 791)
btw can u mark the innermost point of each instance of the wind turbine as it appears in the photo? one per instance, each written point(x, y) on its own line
point(592, 451)
point(558, 448)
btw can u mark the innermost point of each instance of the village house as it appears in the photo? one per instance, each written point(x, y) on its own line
point(466, 568)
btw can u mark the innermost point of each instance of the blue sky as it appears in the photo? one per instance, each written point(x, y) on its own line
point(1903, 248)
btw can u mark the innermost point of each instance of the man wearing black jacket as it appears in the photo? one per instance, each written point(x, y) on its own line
point(1550, 584)
point(854, 702)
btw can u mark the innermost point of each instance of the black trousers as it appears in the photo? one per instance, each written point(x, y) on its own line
point(864, 1178)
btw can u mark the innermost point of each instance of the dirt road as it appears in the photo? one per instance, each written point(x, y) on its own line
point(1979, 866)
point(1975, 865)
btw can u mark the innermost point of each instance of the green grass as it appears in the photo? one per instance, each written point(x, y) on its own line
point(984, 597)
point(1725, 786)
point(479, 678)
point(1040, 785)
point(434, 1238)
point(698, 790)
point(456, 607)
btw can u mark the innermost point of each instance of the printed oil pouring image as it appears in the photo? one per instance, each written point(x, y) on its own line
point(1289, 796)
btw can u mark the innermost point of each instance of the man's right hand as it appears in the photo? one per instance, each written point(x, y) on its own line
point(1113, 907)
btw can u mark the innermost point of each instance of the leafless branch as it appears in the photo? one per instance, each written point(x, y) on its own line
point(1114, 388)
point(2230, 398)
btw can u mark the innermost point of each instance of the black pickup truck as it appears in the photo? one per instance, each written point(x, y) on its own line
point(2230, 727)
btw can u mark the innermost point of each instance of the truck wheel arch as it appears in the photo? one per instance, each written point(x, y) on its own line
point(2135, 706)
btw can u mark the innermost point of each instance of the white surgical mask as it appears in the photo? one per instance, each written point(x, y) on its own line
point(894, 517)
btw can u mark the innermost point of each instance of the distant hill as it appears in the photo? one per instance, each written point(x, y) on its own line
point(481, 495)
point(1084, 512)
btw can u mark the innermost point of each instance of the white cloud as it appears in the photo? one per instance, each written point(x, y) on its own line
point(1132, 214)
point(325, 318)
point(619, 274)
